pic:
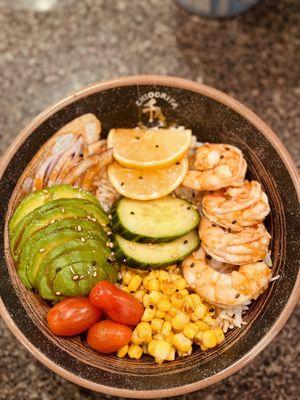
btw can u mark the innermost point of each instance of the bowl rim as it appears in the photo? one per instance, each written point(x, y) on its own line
point(220, 97)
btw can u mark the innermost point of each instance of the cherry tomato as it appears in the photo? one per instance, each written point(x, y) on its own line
point(108, 336)
point(119, 306)
point(72, 316)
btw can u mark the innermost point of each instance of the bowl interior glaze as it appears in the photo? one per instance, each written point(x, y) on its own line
point(213, 117)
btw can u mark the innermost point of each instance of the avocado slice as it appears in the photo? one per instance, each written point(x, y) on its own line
point(41, 242)
point(40, 197)
point(58, 255)
point(53, 211)
point(77, 279)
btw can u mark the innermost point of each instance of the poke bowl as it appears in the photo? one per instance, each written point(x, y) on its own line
point(168, 194)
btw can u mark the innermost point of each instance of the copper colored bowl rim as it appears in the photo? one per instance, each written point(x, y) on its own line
point(255, 121)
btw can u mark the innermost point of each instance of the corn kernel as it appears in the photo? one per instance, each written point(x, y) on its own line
point(167, 288)
point(199, 312)
point(198, 337)
point(196, 299)
point(126, 289)
point(146, 300)
point(139, 296)
point(175, 277)
point(163, 276)
point(144, 331)
point(146, 281)
point(180, 284)
point(126, 277)
point(164, 305)
point(156, 324)
point(219, 334)
point(154, 273)
point(153, 284)
point(181, 342)
point(160, 314)
point(123, 351)
point(155, 296)
point(190, 330)
point(185, 353)
point(172, 312)
point(151, 347)
point(166, 328)
point(161, 351)
point(189, 305)
point(202, 326)
point(149, 314)
point(203, 348)
point(184, 292)
point(135, 338)
point(169, 337)
point(180, 320)
point(177, 300)
point(134, 283)
point(209, 339)
point(158, 336)
point(135, 351)
point(168, 317)
point(172, 353)
point(210, 321)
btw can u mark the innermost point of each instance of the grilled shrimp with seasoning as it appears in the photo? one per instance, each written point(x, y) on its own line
point(216, 166)
point(238, 248)
point(237, 207)
point(231, 289)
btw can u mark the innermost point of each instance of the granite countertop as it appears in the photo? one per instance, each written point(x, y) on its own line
point(47, 53)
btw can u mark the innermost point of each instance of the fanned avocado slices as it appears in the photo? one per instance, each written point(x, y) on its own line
point(57, 234)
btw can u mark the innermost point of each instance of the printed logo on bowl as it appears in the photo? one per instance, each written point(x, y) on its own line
point(150, 104)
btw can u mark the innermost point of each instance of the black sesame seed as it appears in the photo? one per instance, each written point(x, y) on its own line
point(140, 177)
point(151, 306)
point(210, 191)
point(109, 260)
point(193, 194)
point(211, 310)
point(192, 265)
point(122, 183)
point(137, 137)
point(132, 212)
point(237, 295)
point(227, 148)
point(260, 260)
point(94, 263)
point(185, 242)
point(221, 157)
point(213, 225)
point(177, 163)
point(233, 222)
point(188, 208)
point(208, 257)
point(156, 145)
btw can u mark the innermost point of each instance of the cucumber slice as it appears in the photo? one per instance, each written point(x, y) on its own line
point(146, 256)
point(39, 198)
point(155, 221)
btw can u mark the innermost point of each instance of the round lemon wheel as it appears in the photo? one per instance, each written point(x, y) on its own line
point(149, 148)
point(140, 184)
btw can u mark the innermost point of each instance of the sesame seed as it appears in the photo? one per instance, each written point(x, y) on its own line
point(82, 239)
point(174, 255)
point(109, 216)
point(107, 244)
point(185, 242)
point(188, 208)
point(132, 212)
point(103, 225)
point(137, 137)
point(109, 233)
point(156, 145)
point(45, 191)
point(211, 310)
point(75, 277)
point(233, 222)
point(52, 221)
point(42, 250)
point(124, 260)
point(95, 274)
point(140, 177)
point(93, 219)
point(177, 163)
point(89, 217)
point(81, 277)
point(111, 245)
point(109, 260)
point(63, 210)
point(237, 295)
point(79, 228)
point(58, 293)
point(192, 265)
point(122, 183)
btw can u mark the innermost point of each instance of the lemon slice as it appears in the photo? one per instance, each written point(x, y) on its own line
point(141, 184)
point(149, 148)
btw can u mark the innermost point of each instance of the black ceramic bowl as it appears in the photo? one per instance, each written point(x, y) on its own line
point(213, 117)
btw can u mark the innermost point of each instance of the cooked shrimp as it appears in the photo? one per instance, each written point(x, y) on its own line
point(238, 248)
point(235, 288)
point(236, 208)
point(216, 166)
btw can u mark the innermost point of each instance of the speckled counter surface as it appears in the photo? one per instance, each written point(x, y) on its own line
point(46, 54)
